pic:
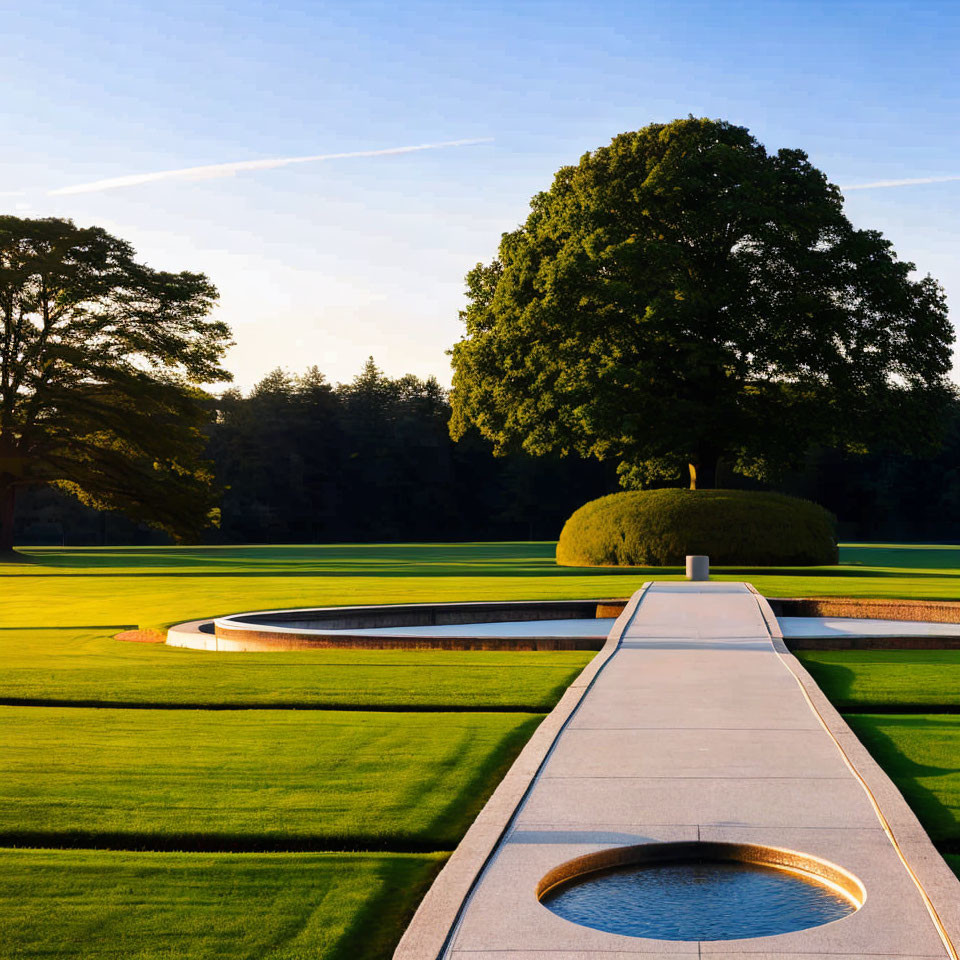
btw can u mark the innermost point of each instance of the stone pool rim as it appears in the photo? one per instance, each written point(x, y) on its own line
point(816, 870)
point(306, 628)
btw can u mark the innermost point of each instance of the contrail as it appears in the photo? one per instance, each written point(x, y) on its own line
point(214, 170)
point(898, 183)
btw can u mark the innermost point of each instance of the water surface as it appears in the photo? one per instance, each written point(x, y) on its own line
point(697, 900)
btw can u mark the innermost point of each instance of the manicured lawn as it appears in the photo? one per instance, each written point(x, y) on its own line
point(106, 905)
point(367, 771)
point(920, 751)
point(148, 586)
point(280, 779)
point(921, 754)
point(346, 777)
point(881, 679)
point(89, 666)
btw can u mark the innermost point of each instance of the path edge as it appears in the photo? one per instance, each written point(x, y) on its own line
point(937, 883)
point(426, 937)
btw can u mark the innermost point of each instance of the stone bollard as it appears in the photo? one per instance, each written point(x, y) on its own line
point(698, 568)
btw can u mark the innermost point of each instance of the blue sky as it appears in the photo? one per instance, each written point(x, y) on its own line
point(327, 262)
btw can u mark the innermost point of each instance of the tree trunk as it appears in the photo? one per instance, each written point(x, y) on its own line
point(8, 494)
point(703, 472)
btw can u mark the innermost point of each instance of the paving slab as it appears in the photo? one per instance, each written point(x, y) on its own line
point(717, 752)
point(698, 725)
point(613, 803)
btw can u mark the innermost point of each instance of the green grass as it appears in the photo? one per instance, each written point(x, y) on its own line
point(878, 680)
point(105, 905)
point(151, 585)
point(90, 667)
point(920, 753)
point(346, 777)
point(274, 779)
point(894, 696)
point(281, 779)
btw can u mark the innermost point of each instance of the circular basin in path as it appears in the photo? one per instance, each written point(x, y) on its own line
point(700, 891)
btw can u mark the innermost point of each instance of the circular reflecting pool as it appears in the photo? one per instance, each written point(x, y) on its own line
point(700, 898)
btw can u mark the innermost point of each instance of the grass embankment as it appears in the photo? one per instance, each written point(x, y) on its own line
point(903, 705)
point(877, 681)
point(920, 753)
point(89, 667)
point(264, 779)
point(88, 905)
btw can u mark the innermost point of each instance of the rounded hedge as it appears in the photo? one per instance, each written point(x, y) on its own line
point(658, 528)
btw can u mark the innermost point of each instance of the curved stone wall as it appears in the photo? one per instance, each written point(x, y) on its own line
point(337, 627)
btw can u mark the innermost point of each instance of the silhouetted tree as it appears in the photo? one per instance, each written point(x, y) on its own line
point(101, 362)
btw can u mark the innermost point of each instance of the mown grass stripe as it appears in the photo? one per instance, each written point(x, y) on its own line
point(119, 905)
point(370, 779)
point(89, 668)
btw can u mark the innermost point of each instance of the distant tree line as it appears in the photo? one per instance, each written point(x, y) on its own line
point(302, 460)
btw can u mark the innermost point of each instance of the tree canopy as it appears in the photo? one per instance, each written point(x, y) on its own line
point(101, 363)
point(682, 297)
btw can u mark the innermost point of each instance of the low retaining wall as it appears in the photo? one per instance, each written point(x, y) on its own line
point(925, 611)
point(330, 627)
point(929, 611)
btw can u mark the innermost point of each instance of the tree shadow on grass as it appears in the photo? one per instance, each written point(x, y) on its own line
point(281, 557)
point(449, 826)
point(506, 570)
point(507, 559)
point(15, 558)
point(376, 928)
point(835, 681)
point(878, 733)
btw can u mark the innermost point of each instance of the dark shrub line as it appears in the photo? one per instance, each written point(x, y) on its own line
point(278, 705)
point(896, 709)
point(204, 843)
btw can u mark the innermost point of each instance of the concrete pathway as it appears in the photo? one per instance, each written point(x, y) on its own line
point(696, 729)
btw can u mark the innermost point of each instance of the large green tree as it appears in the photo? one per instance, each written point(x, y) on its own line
point(101, 362)
point(682, 297)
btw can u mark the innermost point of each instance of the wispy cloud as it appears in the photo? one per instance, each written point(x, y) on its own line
point(212, 171)
point(898, 183)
